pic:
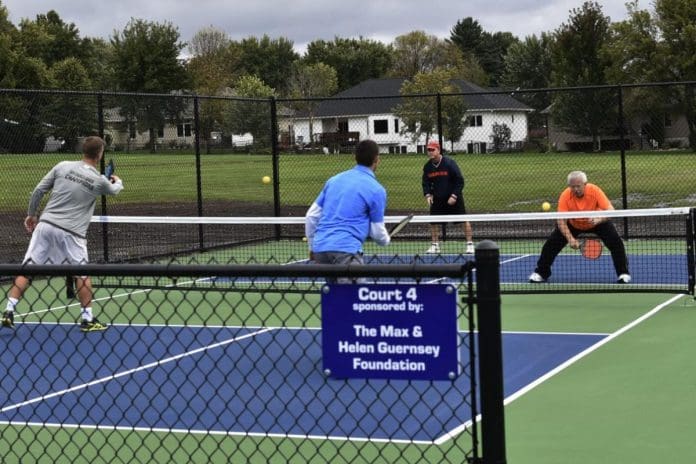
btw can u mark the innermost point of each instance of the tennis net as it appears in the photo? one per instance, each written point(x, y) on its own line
point(659, 245)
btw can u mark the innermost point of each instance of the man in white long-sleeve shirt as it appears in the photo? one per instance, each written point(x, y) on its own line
point(60, 235)
point(349, 209)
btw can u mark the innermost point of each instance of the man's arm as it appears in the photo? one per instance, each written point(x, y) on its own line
point(603, 203)
point(379, 233)
point(425, 183)
point(311, 220)
point(458, 186)
point(563, 227)
point(40, 190)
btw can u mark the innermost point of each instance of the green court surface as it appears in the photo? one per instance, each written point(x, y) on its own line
point(629, 401)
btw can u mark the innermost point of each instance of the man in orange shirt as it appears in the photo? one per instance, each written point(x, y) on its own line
point(581, 196)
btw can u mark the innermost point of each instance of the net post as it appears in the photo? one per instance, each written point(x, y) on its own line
point(490, 352)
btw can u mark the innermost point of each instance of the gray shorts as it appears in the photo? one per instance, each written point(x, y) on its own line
point(51, 245)
point(337, 257)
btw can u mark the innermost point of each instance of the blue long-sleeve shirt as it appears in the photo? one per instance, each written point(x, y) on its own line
point(349, 208)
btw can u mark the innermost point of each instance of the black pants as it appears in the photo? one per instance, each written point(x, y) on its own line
point(605, 231)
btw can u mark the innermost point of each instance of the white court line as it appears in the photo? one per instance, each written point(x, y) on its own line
point(454, 432)
point(108, 297)
point(131, 371)
point(218, 432)
point(589, 350)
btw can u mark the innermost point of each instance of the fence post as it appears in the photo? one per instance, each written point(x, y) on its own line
point(274, 155)
point(199, 182)
point(490, 352)
point(105, 226)
point(624, 188)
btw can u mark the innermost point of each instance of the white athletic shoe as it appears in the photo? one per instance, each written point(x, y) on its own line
point(434, 248)
point(624, 279)
point(469, 248)
point(535, 278)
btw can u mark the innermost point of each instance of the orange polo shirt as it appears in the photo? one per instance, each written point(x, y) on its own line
point(594, 199)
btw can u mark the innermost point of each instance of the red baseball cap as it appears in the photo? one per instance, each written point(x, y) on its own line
point(433, 144)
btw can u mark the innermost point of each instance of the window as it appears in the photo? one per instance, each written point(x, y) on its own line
point(342, 126)
point(131, 131)
point(160, 132)
point(381, 126)
point(396, 126)
point(476, 120)
point(668, 120)
point(183, 130)
point(397, 149)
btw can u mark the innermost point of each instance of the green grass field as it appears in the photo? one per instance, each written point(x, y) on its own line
point(494, 182)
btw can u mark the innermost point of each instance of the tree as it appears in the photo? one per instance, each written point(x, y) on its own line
point(355, 60)
point(6, 27)
point(251, 115)
point(28, 130)
point(419, 114)
point(454, 120)
point(676, 19)
point(528, 66)
point(500, 136)
point(657, 47)
point(489, 49)
point(208, 41)
point(50, 39)
point(268, 59)
point(577, 61)
point(414, 53)
point(215, 61)
point(311, 81)
point(214, 69)
point(99, 64)
point(71, 116)
point(146, 60)
point(635, 55)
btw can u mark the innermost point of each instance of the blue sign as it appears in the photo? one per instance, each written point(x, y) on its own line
point(395, 331)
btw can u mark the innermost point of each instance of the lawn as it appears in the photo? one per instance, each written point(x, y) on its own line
point(494, 182)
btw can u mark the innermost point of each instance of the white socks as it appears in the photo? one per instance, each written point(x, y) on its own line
point(11, 303)
point(86, 314)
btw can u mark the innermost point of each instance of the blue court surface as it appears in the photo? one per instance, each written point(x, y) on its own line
point(648, 269)
point(247, 381)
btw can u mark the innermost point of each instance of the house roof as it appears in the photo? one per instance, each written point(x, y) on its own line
point(374, 96)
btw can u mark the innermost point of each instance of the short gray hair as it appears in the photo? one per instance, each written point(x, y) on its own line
point(577, 175)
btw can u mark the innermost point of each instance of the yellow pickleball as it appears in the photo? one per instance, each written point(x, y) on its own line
point(546, 206)
point(266, 180)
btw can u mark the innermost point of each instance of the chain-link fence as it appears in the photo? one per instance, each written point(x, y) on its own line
point(186, 375)
point(190, 155)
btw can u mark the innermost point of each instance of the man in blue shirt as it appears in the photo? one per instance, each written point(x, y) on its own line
point(349, 209)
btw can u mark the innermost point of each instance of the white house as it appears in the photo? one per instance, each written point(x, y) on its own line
point(367, 111)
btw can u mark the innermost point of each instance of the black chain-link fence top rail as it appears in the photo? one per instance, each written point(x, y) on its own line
point(183, 374)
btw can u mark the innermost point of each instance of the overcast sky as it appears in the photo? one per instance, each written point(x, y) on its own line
point(303, 21)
